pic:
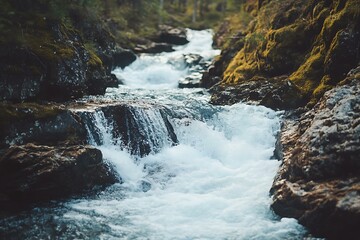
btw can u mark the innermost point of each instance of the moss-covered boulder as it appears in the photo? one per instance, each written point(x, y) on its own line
point(46, 54)
point(315, 43)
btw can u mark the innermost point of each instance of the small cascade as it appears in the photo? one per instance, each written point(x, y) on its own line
point(99, 129)
point(153, 128)
point(141, 130)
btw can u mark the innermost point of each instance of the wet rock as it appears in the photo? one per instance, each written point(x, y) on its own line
point(192, 59)
point(319, 180)
point(171, 35)
point(154, 48)
point(32, 173)
point(53, 128)
point(191, 81)
point(197, 65)
point(142, 128)
point(117, 57)
point(276, 93)
point(19, 78)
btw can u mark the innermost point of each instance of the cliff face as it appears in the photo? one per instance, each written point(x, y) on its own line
point(302, 56)
point(313, 44)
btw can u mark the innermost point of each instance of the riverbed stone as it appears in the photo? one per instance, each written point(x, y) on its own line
point(31, 173)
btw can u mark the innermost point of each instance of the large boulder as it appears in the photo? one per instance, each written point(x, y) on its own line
point(319, 180)
point(55, 60)
point(172, 35)
point(40, 124)
point(276, 93)
point(32, 173)
point(56, 67)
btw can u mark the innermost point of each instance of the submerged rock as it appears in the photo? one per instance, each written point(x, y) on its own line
point(319, 180)
point(32, 173)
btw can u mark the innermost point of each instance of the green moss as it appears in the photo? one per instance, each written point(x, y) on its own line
point(302, 39)
point(324, 86)
point(94, 60)
point(11, 113)
point(309, 73)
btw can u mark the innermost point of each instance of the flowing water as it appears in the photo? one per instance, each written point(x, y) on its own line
point(210, 181)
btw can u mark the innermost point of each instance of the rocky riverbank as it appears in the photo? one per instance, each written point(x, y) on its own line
point(318, 182)
point(302, 57)
point(50, 55)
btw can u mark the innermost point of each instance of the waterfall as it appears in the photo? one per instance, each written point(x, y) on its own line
point(138, 129)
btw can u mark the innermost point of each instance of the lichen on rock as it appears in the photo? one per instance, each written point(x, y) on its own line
point(318, 182)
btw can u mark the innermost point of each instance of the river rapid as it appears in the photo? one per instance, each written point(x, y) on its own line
point(213, 183)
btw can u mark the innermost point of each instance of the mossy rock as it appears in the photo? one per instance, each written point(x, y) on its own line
point(10, 113)
point(314, 42)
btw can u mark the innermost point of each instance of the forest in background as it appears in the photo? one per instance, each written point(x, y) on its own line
point(129, 21)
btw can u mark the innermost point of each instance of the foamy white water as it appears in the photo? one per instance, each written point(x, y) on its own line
point(214, 184)
point(164, 70)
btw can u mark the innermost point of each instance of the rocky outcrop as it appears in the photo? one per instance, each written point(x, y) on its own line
point(51, 71)
point(41, 124)
point(47, 58)
point(319, 180)
point(314, 43)
point(32, 173)
point(102, 42)
point(276, 93)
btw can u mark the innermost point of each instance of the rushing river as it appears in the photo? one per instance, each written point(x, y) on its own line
point(212, 184)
